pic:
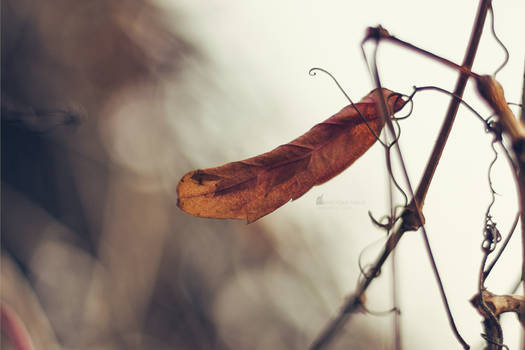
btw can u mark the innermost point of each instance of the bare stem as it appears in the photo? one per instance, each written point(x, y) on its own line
point(382, 34)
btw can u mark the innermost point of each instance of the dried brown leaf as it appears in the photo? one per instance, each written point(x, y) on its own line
point(254, 187)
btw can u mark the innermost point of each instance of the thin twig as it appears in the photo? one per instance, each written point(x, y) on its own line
point(380, 33)
point(395, 296)
point(454, 103)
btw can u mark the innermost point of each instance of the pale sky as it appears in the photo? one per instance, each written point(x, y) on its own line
point(262, 51)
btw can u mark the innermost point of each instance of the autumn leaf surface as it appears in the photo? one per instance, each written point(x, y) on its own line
point(254, 187)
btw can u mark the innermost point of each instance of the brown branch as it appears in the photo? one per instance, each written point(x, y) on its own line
point(410, 218)
point(499, 304)
point(380, 33)
point(492, 92)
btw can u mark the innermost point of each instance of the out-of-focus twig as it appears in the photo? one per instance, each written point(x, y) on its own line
point(522, 109)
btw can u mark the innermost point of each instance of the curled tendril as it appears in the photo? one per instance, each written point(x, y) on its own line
point(408, 100)
point(490, 125)
point(380, 313)
point(363, 268)
point(493, 31)
point(363, 272)
point(490, 232)
point(393, 180)
point(504, 245)
point(313, 72)
point(495, 128)
point(423, 88)
point(387, 146)
point(397, 135)
point(390, 221)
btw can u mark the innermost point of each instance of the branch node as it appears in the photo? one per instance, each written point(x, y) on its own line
point(376, 33)
point(410, 219)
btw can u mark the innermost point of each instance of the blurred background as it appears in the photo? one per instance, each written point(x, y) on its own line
point(106, 105)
